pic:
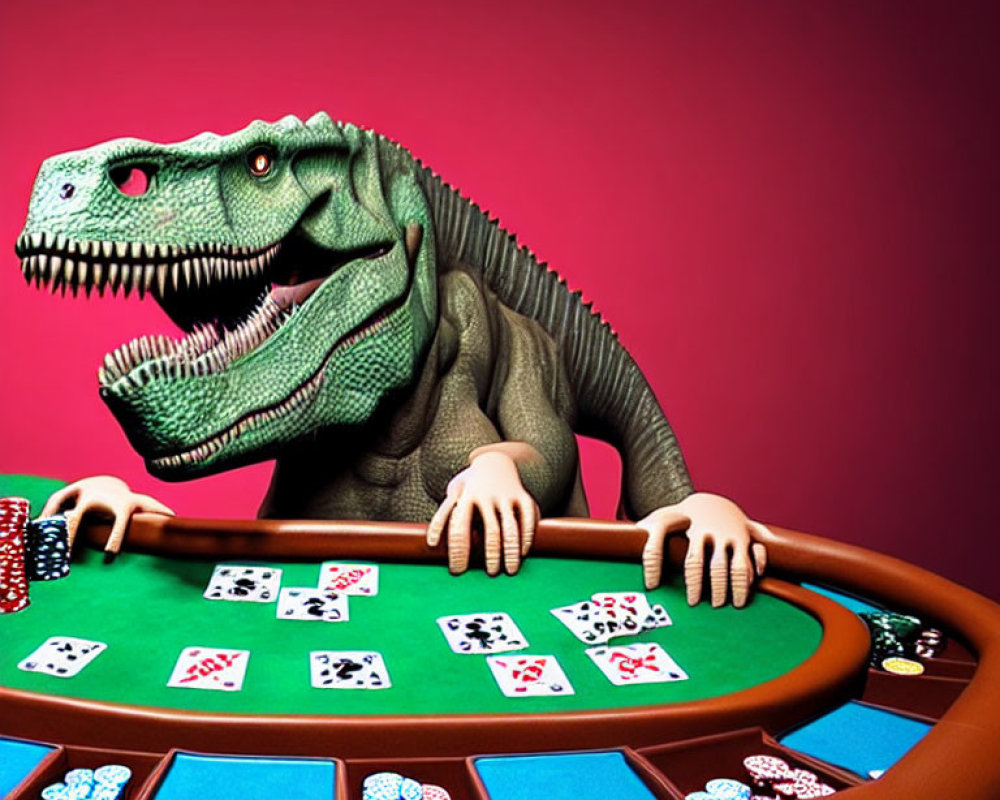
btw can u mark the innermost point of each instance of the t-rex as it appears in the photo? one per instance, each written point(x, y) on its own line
point(349, 314)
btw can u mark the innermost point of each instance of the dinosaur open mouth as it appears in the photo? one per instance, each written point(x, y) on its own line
point(227, 299)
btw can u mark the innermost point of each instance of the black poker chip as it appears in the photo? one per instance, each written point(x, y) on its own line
point(47, 548)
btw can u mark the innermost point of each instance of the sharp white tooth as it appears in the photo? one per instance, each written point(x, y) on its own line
point(149, 249)
point(147, 279)
point(55, 267)
point(71, 247)
point(161, 279)
point(107, 249)
point(188, 272)
point(114, 276)
point(97, 272)
point(175, 275)
point(121, 249)
point(85, 248)
point(126, 272)
point(136, 250)
point(83, 274)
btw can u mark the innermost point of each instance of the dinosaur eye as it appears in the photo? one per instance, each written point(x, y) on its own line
point(260, 159)
point(132, 180)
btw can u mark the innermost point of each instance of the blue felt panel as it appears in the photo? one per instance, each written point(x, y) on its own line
point(572, 776)
point(846, 600)
point(17, 760)
point(247, 778)
point(858, 738)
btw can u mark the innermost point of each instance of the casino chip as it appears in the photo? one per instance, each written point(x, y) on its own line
point(14, 513)
point(47, 548)
point(900, 636)
point(104, 783)
point(902, 666)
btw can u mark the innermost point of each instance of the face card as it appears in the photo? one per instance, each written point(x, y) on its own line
point(588, 622)
point(210, 668)
point(645, 662)
point(482, 633)
point(529, 676)
point(62, 656)
point(246, 584)
point(360, 579)
point(306, 603)
point(348, 669)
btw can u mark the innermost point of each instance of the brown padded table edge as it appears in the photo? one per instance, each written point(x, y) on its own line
point(827, 677)
point(956, 760)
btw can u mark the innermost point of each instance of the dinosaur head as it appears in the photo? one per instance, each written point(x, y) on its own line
point(297, 258)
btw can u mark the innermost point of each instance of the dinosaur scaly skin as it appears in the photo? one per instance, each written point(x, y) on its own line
point(346, 313)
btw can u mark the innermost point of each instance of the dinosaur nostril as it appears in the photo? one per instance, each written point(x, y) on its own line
point(132, 180)
point(66, 191)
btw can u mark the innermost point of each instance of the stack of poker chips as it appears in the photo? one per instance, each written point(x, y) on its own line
point(104, 783)
point(13, 572)
point(897, 639)
point(47, 548)
point(393, 786)
point(773, 775)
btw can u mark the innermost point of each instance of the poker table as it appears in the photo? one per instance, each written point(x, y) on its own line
point(788, 657)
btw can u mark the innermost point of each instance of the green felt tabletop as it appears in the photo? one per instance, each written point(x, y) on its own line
point(147, 609)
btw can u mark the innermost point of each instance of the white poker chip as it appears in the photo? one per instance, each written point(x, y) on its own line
point(728, 789)
point(113, 773)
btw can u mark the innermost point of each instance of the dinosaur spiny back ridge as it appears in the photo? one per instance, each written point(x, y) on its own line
point(614, 399)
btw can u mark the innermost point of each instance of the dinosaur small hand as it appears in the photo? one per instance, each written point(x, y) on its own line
point(106, 496)
point(711, 520)
point(492, 486)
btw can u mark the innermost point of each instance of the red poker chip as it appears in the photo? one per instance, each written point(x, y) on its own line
point(766, 769)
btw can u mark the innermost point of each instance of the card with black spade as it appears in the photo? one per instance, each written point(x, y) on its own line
point(62, 656)
point(243, 583)
point(306, 603)
point(348, 669)
point(492, 632)
point(588, 621)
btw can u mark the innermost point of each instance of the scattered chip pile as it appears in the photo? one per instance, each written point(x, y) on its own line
point(13, 570)
point(393, 786)
point(104, 783)
point(770, 779)
point(900, 642)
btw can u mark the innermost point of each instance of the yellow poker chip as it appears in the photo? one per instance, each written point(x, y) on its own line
point(902, 666)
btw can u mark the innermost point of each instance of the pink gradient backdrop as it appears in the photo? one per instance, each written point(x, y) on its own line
point(788, 211)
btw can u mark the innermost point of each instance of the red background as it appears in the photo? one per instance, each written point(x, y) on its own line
point(788, 211)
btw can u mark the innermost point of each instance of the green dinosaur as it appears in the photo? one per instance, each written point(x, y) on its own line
point(349, 314)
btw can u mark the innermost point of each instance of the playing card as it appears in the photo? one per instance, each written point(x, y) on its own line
point(659, 618)
point(62, 656)
point(360, 579)
point(210, 668)
point(630, 609)
point(644, 662)
point(529, 676)
point(247, 584)
point(588, 622)
point(482, 633)
point(348, 669)
point(295, 602)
